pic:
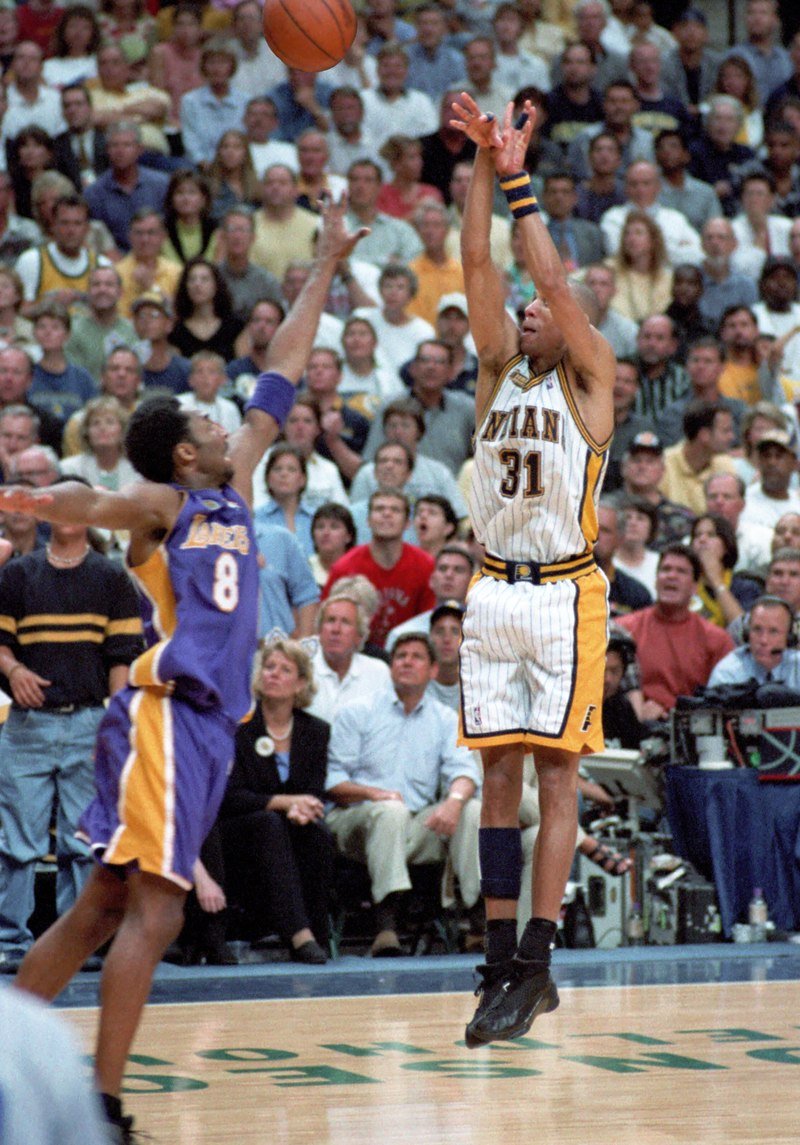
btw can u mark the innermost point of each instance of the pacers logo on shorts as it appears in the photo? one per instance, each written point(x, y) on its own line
point(587, 719)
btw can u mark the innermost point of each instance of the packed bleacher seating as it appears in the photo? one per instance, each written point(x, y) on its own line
point(160, 179)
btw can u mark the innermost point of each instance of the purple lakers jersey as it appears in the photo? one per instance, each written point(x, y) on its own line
point(200, 603)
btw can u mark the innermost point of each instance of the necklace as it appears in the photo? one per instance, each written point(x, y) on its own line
point(283, 734)
point(65, 562)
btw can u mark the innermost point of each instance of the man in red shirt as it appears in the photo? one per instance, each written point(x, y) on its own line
point(400, 572)
point(676, 649)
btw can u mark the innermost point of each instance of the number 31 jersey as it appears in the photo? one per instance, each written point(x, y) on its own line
point(199, 593)
point(538, 471)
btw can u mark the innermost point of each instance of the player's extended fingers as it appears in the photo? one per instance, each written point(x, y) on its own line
point(468, 103)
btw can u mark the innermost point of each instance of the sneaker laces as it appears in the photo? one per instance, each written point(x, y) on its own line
point(489, 974)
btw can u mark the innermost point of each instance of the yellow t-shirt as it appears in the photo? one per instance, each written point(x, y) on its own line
point(166, 280)
point(741, 382)
point(681, 484)
point(278, 243)
point(434, 282)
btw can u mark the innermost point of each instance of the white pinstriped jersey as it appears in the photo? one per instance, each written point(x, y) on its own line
point(538, 471)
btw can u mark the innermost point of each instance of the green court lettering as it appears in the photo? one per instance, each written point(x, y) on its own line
point(725, 1034)
point(160, 1083)
point(374, 1049)
point(288, 1077)
point(785, 1055)
point(523, 1044)
point(143, 1059)
point(246, 1054)
point(457, 1067)
point(641, 1064)
point(639, 1039)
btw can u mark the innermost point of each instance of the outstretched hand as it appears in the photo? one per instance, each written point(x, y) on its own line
point(510, 156)
point(22, 499)
point(335, 241)
point(483, 130)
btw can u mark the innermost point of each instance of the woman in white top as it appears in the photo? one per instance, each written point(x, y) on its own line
point(302, 430)
point(633, 555)
point(75, 45)
point(102, 460)
point(399, 333)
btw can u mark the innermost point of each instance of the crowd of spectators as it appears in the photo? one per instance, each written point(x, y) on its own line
point(160, 175)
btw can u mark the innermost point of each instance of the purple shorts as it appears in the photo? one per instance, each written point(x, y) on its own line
point(161, 768)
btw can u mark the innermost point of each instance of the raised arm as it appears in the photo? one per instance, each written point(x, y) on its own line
point(588, 350)
point(290, 348)
point(141, 507)
point(492, 329)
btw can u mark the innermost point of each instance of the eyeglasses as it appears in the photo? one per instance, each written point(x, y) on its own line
point(427, 361)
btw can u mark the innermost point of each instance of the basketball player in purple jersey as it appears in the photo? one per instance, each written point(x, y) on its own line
point(165, 745)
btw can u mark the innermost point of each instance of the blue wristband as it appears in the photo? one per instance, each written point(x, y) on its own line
point(274, 395)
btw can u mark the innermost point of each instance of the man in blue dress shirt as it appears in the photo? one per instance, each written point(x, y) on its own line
point(769, 655)
point(402, 787)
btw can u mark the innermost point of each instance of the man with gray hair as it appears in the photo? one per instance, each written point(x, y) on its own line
point(723, 285)
point(642, 188)
point(342, 673)
point(716, 155)
point(209, 111)
point(725, 496)
point(126, 186)
point(38, 464)
point(19, 429)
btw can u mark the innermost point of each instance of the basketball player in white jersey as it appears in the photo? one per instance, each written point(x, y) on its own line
point(533, 651)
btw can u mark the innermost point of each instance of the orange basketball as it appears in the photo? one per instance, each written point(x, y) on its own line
point(309, 34)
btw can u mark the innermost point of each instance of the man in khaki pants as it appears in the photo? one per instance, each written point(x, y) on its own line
point(402, 786)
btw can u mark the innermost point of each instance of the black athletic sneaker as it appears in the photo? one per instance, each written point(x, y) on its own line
point(493, 975)
point(121, 1132)
point(512, 995)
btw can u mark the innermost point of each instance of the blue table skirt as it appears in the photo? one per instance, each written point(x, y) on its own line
point(740, 834)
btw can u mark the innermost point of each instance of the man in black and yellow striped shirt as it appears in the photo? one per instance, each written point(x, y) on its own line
point(69, 628)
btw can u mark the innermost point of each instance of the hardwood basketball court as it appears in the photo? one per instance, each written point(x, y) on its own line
point(707, 1052)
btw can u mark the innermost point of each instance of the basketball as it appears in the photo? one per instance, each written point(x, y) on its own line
point(309, 34)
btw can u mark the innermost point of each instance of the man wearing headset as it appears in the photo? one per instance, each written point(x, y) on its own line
point(768, 654)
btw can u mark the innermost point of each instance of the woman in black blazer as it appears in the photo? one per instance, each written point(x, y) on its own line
point(279, 854)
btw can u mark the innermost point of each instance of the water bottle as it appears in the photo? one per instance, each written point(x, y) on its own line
point(635, 926)
point(758, 915)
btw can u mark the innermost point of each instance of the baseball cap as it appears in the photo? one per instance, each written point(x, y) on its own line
point(152, 298)
point(448, 608)
point(776, 437)
point(646, 440)
point(691, 14)
point(452, 301)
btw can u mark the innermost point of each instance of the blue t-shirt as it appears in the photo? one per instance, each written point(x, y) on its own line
point(175, 377)
point(285, 578)
point(62, 394)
